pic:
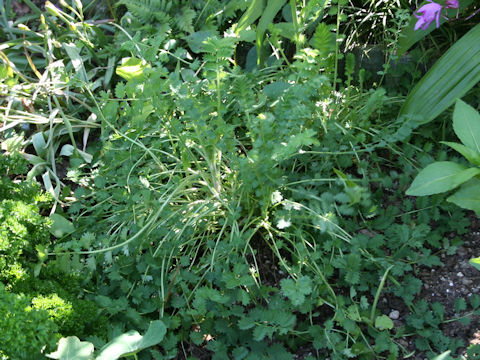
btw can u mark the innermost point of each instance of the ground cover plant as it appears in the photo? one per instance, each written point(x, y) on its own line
point(219, 180)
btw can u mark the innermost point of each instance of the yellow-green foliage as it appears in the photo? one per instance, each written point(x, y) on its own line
point(25, 331)
point(21, 225)
point(76, 317)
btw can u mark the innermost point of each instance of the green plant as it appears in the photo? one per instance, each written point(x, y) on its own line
point(125, 345)
point(452, 76)
point(22, 227)
point(444, 176)
point(25, 331)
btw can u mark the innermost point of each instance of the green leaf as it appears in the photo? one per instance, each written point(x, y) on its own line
point(469, 154)
point(195, 40)
point(76, 59)
point(460, 305)
point(60, 226)
point(442, 356)
point(251, 14)
point(71, 348)
point(271, 10)
point(67, 150)
point(39, 144)
point(466, 124)
point(296, 291)
point(440, 177)
point(132, 342)
point(409, 36)
point(468, 196)
point(455, 73)
point(276, 89)
point(475, 262)
point(131, 68)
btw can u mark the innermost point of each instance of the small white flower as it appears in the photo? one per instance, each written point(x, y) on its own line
point(283, 224)
point(276, 197)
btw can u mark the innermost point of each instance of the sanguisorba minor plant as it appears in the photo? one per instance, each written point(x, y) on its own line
point(221, 211)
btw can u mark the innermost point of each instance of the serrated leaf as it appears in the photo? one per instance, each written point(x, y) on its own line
point(60, 226)
point(468, 196)
point(440, 177)
point(466, 124)
point(132, 342)
point(71, 348)
point(383, 323)
point(460, 305)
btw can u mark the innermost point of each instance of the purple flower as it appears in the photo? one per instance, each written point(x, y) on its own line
point(452, 4)
point(429, 12)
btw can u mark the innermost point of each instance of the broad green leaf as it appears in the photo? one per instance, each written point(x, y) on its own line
point(60, 226)
point(39, 144)
point(71, 348)
point(86, 156)
point(131, 68)
point(383, 323)
point(475, 262)
point(253, 12)
point(77, 61)
point(132, 342)
point(284, 29)
point(67, 150)
point(34, 160)
point(440, 177)
point(468, 196)
point(466, 124)
point(469, 154)
point(409, 36)
point(455, 73)
point(442, 356)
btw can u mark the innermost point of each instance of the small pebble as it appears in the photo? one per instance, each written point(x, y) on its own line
point(450, 283)
point(394, 314)
point(466, 281)
point(460, 274)
point(461, 251)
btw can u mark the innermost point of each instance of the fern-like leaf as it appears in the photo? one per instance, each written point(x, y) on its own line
point(323, 40)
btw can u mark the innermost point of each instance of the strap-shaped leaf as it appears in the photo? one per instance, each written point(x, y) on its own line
point(440, 177)
point(456, 72)
point(253, 12)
